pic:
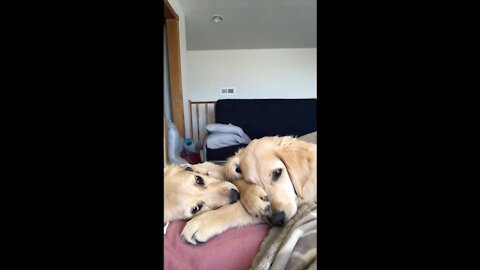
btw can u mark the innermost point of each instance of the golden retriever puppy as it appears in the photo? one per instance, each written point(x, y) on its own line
point(210, 169)
point(285, 167)
point(188, 193)
point(252, 191)
point(274, 176)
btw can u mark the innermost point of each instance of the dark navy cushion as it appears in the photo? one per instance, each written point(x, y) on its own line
point(269, 117)
point(264, 117)
point(223, 153)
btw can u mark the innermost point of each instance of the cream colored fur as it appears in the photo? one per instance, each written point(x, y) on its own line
point(259, 194)
point(182, 193)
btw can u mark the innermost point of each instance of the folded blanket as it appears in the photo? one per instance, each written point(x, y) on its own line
point(222, 128)
point(222, 135)
point(293, 246)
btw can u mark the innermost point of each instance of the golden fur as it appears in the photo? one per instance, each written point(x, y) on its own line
point(182, 193)
point(296, 162)
point(252, 170)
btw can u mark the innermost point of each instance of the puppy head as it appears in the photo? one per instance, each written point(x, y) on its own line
point(232, 168)
point(280, 165)
point(187, 193)
point(300, 160)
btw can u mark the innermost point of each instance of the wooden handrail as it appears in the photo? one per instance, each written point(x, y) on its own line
point(201, 102)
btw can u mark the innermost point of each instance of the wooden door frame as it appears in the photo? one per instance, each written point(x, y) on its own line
point(174, 67)
point(168, 11)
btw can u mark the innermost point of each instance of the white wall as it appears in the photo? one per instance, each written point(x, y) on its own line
point(260, 73)
point(183, 59)
point(264, 73)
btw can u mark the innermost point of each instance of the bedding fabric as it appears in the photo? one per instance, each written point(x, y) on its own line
point(234, 249)
point(310, 137)
point(293, 246)
point(213, 128)
point(220, 140)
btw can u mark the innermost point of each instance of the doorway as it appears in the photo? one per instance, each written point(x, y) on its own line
point(173, 107)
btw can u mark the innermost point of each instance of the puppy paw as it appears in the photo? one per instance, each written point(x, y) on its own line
point(198, 231)
point(255, 201)
point(189, 231)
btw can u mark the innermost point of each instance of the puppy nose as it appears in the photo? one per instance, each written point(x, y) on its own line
point(278, 218)
point(234, 195)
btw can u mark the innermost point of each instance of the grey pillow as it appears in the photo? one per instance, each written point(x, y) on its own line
point(214, 128)
point(220, 140)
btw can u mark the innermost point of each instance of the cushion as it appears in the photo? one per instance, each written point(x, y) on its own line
point(212, 128)
point(219, 140)
point(234, 249)
point(221, 154)
point(269, 117)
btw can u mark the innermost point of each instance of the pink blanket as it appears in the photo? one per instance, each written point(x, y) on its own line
point(233, 250)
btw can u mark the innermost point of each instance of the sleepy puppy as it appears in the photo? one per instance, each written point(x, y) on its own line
point(285, 167)
point(274, 175)
point(188, 194)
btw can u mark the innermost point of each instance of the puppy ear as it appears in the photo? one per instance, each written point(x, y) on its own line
point(300, 159)
point(232, 166)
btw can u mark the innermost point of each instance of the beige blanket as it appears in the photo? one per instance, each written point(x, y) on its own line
point(293, 246)
point(310, 137)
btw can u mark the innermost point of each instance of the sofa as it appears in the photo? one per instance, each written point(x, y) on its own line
point(263, 117)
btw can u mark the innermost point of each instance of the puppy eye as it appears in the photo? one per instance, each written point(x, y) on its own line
point(197, 208)
point(188, 169)
point(276, 174)
point(238, 170)
point(199, 180)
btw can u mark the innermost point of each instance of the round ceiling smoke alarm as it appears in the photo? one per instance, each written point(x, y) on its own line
point(216, 19)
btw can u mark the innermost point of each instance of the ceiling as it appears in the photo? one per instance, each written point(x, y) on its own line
point(250, 24)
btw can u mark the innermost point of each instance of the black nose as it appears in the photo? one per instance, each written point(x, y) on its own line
point(278, 218)
point(234, 195)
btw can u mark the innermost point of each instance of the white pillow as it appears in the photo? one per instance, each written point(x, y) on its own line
point(219, 140)
point(212, 128)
